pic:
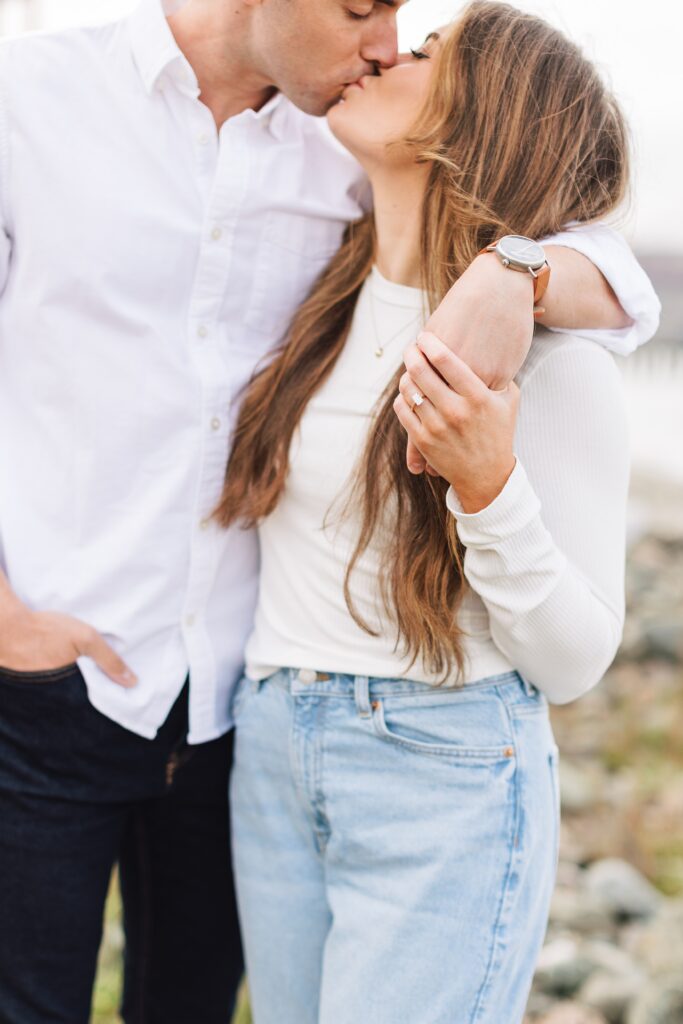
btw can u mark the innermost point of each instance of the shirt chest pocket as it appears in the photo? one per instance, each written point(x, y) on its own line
point(292, 253)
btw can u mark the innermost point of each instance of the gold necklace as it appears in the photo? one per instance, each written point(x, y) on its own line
point(381, 346)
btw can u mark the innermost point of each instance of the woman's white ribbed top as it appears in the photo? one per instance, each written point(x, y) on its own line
point(545, 561)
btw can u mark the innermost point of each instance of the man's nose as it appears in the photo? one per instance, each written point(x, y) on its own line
point(381, 46)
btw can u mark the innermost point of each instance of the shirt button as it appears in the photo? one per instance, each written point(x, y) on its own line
point(204, 524)
point(189, 620)
point(216, 234)
point(203, 139)
point(215, 423)
point(202, 331)
point(308, 675)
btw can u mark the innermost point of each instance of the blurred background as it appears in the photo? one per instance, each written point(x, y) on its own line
point(614, 948)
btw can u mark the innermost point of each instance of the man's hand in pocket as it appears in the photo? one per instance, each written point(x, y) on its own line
point(41, 641)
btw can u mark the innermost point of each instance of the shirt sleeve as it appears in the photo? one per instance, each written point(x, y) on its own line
point(5, 249)
point(5, 241)
point(547, 555)
point(613, 256)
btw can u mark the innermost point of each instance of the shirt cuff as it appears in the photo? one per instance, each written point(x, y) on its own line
point(611, 254)
point(509, 512)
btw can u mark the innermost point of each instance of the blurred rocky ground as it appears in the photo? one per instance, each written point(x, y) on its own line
point(614, 947)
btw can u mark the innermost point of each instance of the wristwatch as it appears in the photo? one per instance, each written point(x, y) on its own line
point(520, 253)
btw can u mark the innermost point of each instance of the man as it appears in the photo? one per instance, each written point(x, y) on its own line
point(166, 200)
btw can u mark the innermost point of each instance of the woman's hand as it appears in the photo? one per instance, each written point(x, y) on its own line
point(463, 429)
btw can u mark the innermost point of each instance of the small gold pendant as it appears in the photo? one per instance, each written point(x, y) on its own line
point(379, 352)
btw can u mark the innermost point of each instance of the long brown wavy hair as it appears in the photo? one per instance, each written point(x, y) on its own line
point(522, 137)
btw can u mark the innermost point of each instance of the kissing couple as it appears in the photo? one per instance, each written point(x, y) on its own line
point(309, 424)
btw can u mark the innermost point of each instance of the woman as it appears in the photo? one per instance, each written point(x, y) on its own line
point(395, 787)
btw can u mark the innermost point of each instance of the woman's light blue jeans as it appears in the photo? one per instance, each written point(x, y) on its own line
point(395, 847)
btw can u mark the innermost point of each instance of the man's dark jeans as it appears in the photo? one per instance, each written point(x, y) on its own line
point(77, 794)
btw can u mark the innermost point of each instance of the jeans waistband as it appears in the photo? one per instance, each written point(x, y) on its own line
point(363, 689)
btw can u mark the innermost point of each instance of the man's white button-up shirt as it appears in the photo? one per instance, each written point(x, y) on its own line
point(147, 264)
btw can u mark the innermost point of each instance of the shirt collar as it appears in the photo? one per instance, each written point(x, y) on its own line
point(155, 50)
point(158, 56)
point(274, 115)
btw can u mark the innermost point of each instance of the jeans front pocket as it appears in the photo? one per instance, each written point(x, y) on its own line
point(475, 729)
point(39, 677)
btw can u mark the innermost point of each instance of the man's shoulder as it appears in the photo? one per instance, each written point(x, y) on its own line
point(48, 57)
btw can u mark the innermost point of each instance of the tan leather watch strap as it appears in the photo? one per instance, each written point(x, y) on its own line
point(541, 282)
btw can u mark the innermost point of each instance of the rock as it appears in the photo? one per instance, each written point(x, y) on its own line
point(664, 640)
point(580, 788)
point(615, 980)
point(659, 946)
point(572, 1013)
point(568, 872)
point(538, 1004)
point(628, 893)
point(630, 936)
point(621, 789)
point(608, 957)
point(661, 1002)
point(611, 993)
point(562, 968)
point(580, 911)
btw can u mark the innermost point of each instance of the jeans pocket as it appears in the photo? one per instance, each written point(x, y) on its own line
point(40, 677)
point(468, 731)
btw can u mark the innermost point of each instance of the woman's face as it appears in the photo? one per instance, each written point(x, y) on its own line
point(382, 109)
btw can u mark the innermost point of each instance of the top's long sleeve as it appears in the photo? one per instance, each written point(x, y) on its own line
point(547, 555)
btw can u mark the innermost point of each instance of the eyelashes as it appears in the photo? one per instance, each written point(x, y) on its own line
point(420, 55)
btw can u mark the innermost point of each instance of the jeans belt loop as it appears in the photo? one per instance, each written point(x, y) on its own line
point(361, 693)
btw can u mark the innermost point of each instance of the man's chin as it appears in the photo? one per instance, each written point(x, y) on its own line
point(318, 105)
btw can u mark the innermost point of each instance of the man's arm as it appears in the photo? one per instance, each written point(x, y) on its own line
point(38, 641)
point(588, 302)
point(5, 249)
point(5, 244)
point(609, 252)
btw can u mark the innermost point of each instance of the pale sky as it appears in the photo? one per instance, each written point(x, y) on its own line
point(638, 46)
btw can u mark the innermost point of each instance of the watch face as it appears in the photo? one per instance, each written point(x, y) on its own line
point(522, 251)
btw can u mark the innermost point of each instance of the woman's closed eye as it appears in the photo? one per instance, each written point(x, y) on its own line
point(420, 54)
